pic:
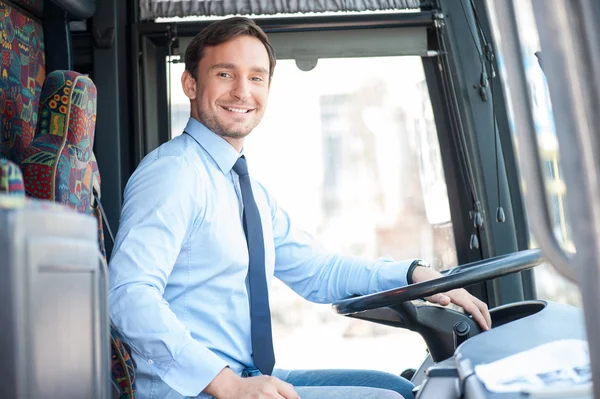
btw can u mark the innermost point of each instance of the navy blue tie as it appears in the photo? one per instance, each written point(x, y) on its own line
point(260, 313)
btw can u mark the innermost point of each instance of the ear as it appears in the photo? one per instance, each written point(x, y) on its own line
point(188, 83)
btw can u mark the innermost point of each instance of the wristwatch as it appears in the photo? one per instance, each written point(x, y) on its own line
point(416, 263)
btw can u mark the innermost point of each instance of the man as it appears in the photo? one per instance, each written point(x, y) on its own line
point(199, 243)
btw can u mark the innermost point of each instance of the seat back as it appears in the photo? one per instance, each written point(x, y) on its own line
point(59, 164)
point(22, 73)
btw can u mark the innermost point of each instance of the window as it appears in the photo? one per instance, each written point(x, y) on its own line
point(350, 150)
point(549, 284)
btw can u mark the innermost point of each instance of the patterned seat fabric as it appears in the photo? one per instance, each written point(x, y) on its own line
point(22, 72)
point(11, 179)
point(122, 366)
point(59, 164)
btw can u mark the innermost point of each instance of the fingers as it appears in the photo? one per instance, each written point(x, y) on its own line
point(483, 307)
point(477, 315)
point(480, 308)
point(474, 307)
point(440, 299)
point(286, 390)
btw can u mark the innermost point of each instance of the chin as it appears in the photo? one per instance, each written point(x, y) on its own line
point(233, 133)
point(237, 132)
point(238, 135)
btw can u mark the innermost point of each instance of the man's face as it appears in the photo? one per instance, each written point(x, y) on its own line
point(232, 87)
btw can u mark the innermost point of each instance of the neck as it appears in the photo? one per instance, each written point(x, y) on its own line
point(235, 143)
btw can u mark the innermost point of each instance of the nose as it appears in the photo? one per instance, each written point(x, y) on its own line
point(241, 89)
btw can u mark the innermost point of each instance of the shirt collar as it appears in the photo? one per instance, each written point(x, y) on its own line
point(217, 147)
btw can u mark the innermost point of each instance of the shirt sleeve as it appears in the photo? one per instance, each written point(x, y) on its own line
point(324, 277)
point(161, 202)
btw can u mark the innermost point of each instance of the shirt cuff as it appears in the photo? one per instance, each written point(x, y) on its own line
point(393, 274)
point(193, 369)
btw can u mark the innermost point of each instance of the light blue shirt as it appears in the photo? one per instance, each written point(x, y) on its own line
point(178, 292)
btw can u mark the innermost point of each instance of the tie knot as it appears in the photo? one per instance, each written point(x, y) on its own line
point(241, 166)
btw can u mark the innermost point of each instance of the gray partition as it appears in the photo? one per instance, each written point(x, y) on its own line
point(53, 311)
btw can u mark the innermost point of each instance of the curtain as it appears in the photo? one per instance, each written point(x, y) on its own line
point(152, 9)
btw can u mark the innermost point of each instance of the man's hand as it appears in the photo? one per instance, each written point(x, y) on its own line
point(477, 308)
point(227, 385)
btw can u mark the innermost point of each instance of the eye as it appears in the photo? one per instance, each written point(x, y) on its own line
point(257, 79)
point(224, 75)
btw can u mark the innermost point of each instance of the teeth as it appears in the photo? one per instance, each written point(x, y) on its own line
point(239, 111)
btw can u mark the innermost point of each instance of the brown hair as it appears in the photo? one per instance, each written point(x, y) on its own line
point(221, 32)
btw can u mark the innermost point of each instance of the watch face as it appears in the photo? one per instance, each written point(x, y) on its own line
point(423, 263)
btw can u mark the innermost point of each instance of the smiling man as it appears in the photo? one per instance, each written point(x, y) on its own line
point(200, 241)
point(227, 96)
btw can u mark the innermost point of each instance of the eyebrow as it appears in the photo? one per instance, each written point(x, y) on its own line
point(225, 65)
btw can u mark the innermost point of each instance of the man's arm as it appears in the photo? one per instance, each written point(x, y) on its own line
point(161, 201)
point(324, 277)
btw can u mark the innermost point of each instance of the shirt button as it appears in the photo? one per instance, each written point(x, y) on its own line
point(150, 362)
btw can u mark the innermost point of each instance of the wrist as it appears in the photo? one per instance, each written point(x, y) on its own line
point(224, 384)
point(421, 274)
point(410, 274)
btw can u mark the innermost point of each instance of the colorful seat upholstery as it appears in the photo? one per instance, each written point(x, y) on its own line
point(122, 366)
point(11, 179)
point(59, 164)
point(22, 73)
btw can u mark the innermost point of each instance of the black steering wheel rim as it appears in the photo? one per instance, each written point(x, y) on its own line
point(458, 277)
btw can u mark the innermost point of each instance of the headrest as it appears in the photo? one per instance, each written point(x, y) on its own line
point(56, 166)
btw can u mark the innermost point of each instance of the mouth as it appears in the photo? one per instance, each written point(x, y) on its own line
point(237, 110)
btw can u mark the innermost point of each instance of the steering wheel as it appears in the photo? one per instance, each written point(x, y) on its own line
point(437, 325)
point(458, 277)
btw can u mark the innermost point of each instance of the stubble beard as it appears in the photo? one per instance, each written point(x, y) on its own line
point(211, 121)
